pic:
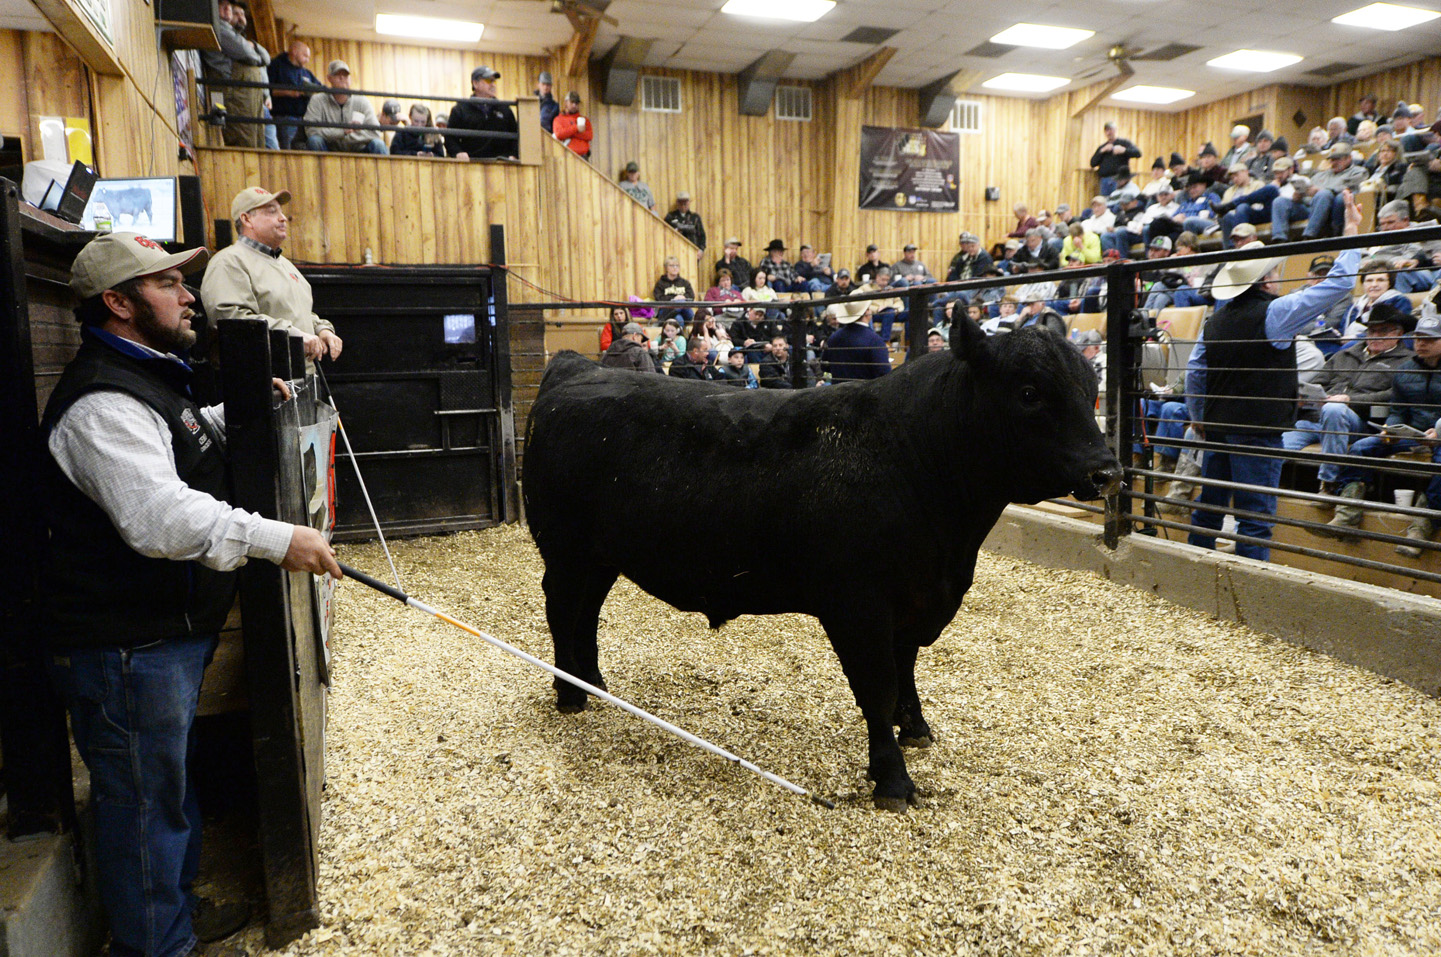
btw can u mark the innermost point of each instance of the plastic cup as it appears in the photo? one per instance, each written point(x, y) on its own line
point(1405, 497)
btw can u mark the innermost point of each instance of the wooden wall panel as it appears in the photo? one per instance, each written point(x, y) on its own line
point(15, 104)
point(1418, 82)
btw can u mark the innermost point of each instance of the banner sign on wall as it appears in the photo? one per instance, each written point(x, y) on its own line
point(911, 170)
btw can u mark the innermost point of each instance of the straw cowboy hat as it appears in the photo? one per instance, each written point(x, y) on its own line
point(1235, 278)
point(850, 311)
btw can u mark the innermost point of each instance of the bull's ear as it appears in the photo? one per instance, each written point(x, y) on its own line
point(968, 340)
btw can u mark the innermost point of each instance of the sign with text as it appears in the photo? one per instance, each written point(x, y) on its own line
point(910, 170)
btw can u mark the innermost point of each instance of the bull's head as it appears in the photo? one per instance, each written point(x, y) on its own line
point(1034, 399)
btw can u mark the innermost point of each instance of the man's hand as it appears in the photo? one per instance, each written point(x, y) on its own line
point(283, 388)
point(314, 348)
point(310, 552)
point(1339, 398)
point(462, 155)
point(330, 343)
point(1353, 214)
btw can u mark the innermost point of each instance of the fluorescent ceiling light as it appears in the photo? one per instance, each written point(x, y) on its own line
point(428, 28)
point(1152, 94)
point(803, 10)
point(1039, 35)
point(1254, 61)
point(1025, 82)
point(1385, 16)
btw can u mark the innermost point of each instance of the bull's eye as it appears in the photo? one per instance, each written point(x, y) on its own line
point(1030, 395)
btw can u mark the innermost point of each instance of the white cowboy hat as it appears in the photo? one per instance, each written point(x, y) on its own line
point(1235, 278)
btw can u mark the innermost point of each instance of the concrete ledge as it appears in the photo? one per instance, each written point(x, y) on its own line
point(1380, 629)
point(44, 912)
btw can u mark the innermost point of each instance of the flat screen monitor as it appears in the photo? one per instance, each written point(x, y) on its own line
point(144, 206)
point(69, 201)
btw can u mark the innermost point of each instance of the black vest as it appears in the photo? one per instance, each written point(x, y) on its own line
point(1250, 384)
point(97, 590)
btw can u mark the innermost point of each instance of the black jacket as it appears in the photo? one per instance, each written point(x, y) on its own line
point(477, 113)
point(1108, 163)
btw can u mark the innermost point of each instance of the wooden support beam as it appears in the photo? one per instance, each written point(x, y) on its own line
point(267, 32)
point(577, 51)
point(858, 79)
point(1114, 84)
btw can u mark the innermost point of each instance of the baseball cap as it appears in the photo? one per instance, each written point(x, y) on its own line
point(1089, 337)
point(337, 66)
point(1237, 168)
point(1240, 129)
point(113, 258)
point(908, 247)
point(546, 78)
point(970, 238)
point(1284, 162)
point(253, 197)
point(873, 248)
point(1244, 230)
point(1161, 242)
point(1340, 149)
point(732, 241)
point(633, 329)
point(632, 167)
point(1428, 327)
point(484, 73)
point(1165, 188)
point(682, 197)
point(843, 274)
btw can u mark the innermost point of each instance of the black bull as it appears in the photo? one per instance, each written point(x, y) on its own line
point(874, 498)
point(126, 202)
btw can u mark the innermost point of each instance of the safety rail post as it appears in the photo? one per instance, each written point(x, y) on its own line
point(1121, 361)
point(499, 304)
point(917, 323)
point(796, 332)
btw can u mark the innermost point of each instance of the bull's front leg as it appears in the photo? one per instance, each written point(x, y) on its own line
point(915, 732)
point(863, 644)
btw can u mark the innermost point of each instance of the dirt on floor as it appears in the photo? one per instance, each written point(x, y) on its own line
point(1112, 775)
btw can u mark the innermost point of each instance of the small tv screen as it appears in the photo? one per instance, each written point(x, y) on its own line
point(144, 206)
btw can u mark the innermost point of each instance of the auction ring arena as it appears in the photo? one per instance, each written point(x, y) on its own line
point(1112, 774)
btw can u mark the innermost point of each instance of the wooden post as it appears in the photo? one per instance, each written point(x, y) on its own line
point(527, 114)
point(282, 677)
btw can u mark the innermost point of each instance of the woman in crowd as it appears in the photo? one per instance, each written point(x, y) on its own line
point(1377, 285)
point(1387, 172)
point(760, 290)
point(717, 340)
point(409, 142)
point(724, 290)
point(611, 331)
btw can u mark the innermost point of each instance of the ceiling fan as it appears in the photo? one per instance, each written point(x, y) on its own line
point(579, 11)
point(1118, 56)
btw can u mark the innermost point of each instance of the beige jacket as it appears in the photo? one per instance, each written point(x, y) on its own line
point(244, 283)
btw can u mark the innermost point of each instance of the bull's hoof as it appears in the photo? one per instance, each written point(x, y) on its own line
point(894, 805)
point(918, 741)
point(567, 707)
point(571, 701)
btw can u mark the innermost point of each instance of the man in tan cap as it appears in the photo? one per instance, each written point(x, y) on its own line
point(252, 280)
point(332, 119)
point(138, 578)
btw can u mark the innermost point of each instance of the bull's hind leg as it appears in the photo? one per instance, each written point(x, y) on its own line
point(863, 644)
point(915, 732)
point(574, 595)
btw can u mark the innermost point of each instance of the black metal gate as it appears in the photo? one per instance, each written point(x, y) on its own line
point(423, 389)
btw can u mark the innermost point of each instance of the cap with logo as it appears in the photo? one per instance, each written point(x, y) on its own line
point(337, 66)
point(682, 197)
point(1161, 242)
point(114, 258)
point(484, 73)
point(1339, 150)
point(843, 274)
point(632, 167)
point(970, 238)
point(733, 241)
point(1284, 162)
point(1428, 326)
point(253, 197)
point(1237, 168)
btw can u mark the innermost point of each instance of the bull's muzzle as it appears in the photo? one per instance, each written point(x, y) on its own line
point(1100, 483)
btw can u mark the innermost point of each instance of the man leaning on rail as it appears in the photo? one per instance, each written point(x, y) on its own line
point(1241, 383)
point(139, 577)
point(252, 280)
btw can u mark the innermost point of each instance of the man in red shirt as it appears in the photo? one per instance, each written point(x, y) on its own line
point(572, 129)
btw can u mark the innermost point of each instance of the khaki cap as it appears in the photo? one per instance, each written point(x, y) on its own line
point(253, 197)
point(1285, 162)
point(337, 66)
point(114, 258)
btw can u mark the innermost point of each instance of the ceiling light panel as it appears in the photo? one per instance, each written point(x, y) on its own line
point(1254, 61)
point(428, 28)
point(1152, 94)
point(1025, 82)
point(802, 10)
point(1040, 35)
point(1386, 16)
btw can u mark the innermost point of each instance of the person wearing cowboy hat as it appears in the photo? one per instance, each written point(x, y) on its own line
point(1348, 386)
point(1414, 406)
point(1241, 383)
point(250, 279)
point(782, 273)
point(854, 351)
point(139, 577)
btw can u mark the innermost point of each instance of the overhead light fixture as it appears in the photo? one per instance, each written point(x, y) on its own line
point(1039, 35)
point(428, 28)
point(1026, 82)
point(1254, 61)
point(1386, 16)
point(802, 10)
point(1152, 94)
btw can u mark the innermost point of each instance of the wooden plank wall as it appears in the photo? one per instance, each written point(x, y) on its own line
point(1418, 82)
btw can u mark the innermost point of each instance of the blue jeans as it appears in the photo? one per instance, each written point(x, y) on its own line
point(1108, 186)
point(1197, 224)
point(272, 137)
point(1374, 446)
point(316, 144)
point(287, 129)
point(1284, 212)
point(1328, 214)
point(132, 712)
point(1185, 296)
point(1171, 420)
point(1416, 280)
point(1266, 196)
point(816, 285)
point(1232, 466)
point(888, 317)
point(1335, 430)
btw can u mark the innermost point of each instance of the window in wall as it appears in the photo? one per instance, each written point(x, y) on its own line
point(793, 103)
point(659, 94)
point(966, 116)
